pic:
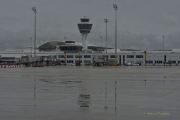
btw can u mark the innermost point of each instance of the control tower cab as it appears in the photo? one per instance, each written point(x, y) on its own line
point(84, 28)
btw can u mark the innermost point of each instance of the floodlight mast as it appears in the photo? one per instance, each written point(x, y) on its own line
point(35, 13)
point(106, 22)
point(163, 38)
point(115, 10)
point(163, 48)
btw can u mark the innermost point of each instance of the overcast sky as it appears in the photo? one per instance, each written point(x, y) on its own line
point(140, 22)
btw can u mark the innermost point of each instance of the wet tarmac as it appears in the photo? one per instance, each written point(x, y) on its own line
point(90, 93)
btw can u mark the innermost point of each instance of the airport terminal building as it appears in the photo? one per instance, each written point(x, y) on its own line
point(72, 53)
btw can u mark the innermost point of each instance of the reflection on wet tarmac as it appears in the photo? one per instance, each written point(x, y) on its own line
point(84, 100)
point(94, 94)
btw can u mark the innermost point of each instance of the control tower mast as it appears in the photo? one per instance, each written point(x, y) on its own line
point(84, 29)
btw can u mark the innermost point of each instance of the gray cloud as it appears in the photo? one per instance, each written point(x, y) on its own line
point(140, 22)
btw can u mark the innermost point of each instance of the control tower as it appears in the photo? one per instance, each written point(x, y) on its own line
point(84, 29)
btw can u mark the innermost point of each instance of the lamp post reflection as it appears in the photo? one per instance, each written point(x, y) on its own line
point(106, 92)
point(115, 95)
point(34, 94)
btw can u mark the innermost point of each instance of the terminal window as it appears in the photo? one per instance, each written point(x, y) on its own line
point(113, 56)
point(69, 56)
point(159, 62)
point(149, 62)
point(78, 56)
point(172, 62)
point(139, 56)
point(130, 56)
point(87, 56)
point(70, 61)
point(87, 62)
point(61, 56)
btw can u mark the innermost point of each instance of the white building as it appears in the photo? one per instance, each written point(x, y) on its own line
point(68, 54)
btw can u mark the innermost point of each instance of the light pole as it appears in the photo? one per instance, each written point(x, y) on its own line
point(31, 46)
point(163, 38)
point(164, 56)
point(35, 13)
point(106, 21)
point(115, 10)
